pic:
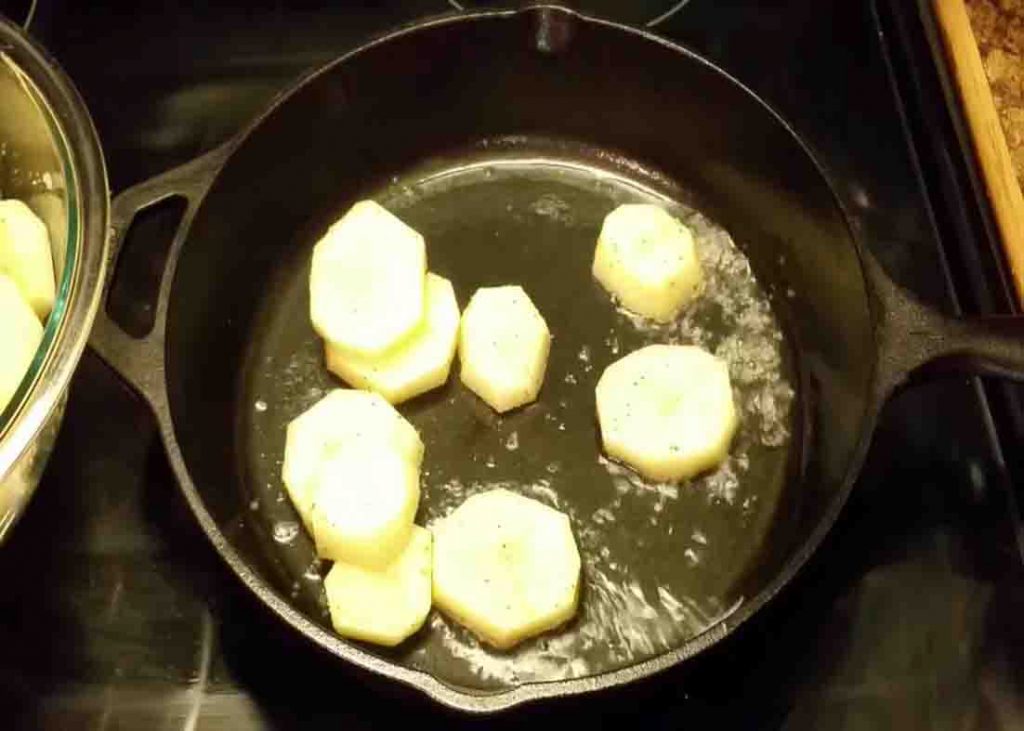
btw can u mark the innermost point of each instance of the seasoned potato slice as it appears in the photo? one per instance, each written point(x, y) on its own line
point(503, 346)
point(646, 259)
point(384, 606)
point(367, 280)
point(667, 411)
point(506, 567)
point(341, 419)
point(364, 504)
point(418, 364)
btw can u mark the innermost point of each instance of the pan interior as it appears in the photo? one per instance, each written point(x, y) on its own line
point(662, 562)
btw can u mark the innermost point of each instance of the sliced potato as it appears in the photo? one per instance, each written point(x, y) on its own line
point(25, 255)
point(647, 260)
point(506, 567)
point(420, 363)
point(503, 346)
point(364, 504)
point(385, 606)
point(366, 283)
point(667, 411)
point(342, 418)
point(49, 205)
point(20, 336)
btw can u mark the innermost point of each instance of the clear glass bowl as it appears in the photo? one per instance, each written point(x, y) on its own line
point(49, 158)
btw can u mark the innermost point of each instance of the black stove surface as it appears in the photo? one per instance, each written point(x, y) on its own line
point(116, 614)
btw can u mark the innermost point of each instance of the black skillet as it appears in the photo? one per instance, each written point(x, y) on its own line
point(505, 137)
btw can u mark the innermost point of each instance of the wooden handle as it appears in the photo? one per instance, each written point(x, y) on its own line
point(1004, 191)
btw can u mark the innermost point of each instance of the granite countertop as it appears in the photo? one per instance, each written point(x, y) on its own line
point(998, 27)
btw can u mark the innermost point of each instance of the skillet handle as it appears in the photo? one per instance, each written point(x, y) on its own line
point(916, 341)
point(140, 360)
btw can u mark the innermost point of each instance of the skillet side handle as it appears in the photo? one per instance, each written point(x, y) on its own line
point(916, 341)
point(140, 361)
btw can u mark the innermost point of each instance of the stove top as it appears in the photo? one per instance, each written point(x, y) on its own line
point(116, 613)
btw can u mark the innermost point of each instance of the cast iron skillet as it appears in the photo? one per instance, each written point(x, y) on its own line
point(505, 137)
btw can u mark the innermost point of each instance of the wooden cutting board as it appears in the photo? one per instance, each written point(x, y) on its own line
point(984, 42)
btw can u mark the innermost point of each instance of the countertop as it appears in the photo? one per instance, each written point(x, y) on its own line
point(998, 27)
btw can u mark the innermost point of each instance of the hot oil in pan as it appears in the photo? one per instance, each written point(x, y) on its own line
point(661, 562)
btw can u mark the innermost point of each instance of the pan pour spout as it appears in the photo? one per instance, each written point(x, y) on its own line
point(554, 29)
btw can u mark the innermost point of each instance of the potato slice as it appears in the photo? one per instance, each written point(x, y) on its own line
point(417, 365)
point(647, 260)
point(503, 345)
point(51, 208)
point(385, 606)
point(506, 567)
point(343, 418)
point(367, 280)
point(20, 336)
point(667, 411)
point(364, 504)
point(25, 255)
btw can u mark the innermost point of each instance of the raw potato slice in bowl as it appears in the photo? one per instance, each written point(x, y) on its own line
point(344, 418)
point(418, 364)
point(667, 411)
point(48, 205)
point(506, 566)
point(646, 259)
point(366, 283)
point(365, 501)
point(385, 606)
point(20, 335)
point(503, 346)
point(25, 255)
